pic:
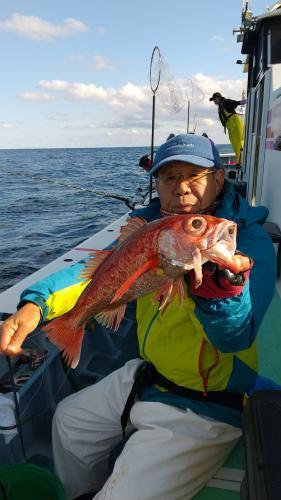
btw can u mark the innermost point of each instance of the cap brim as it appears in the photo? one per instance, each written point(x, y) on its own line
point(194, 160)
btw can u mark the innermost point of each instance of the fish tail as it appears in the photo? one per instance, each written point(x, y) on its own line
point(67, 336)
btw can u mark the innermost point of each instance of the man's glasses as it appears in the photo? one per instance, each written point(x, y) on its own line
point(193, 181)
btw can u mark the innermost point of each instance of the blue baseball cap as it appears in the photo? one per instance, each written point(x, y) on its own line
point(187, 148)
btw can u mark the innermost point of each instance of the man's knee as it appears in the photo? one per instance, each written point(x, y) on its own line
point(61, 415)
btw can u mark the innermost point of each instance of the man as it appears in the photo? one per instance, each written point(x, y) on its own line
point(203, 353)
point(145, 163)
point(231, 121)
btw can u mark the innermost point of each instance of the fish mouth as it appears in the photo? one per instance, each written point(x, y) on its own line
point(223, 248)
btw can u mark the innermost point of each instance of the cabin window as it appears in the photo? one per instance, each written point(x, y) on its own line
point(258, 60)
point(257, 130)
point(275, 45)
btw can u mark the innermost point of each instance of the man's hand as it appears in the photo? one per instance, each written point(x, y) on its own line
point(219, 283)
point(15, 329)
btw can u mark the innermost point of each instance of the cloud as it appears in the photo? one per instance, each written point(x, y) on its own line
point(134, 102)
point(125, 111)
point(39, 29)
point(217, 39)
point(129, 96)
point(208, 122)
point(101, 30)
point(78, 57)
point(36, 96)
point(57, 116)
point(98, 62)
point(8, 125)
point(54, 84)
point(205, 85)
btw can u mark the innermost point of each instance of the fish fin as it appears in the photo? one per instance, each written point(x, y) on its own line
point(111, 318)
point(150, 264)
point(179, 290)
point(132, 225)
point(67, 336)
point(168, 292)
point(95, 260)
point(164, 294)
point(197, 262)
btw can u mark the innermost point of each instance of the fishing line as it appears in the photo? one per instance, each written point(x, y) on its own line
point(78, 188)
point(20, 421)
point(17, 409)
point(65, 377)
point(195, 120)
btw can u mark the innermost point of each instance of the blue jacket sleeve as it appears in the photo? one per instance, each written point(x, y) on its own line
point(232, 324)
point(57, 293)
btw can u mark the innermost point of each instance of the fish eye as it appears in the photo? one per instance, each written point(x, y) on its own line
point(231, 230)
point(196, 226)
point(196, 223)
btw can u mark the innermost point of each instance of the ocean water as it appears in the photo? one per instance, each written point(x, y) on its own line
point(41, 220)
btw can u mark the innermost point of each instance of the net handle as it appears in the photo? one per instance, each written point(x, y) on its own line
point(155, 53)
point(188, 104)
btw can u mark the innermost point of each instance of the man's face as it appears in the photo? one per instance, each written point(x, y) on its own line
point(184, 188)
point(217, 100)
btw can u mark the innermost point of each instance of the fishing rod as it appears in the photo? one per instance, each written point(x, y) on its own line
point(78, 188)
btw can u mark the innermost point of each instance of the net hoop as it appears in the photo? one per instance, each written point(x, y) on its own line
point(155, 59)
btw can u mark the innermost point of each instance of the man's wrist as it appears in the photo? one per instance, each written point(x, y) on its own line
point(218, 283)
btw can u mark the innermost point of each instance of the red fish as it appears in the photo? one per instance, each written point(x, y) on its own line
point(148, 256)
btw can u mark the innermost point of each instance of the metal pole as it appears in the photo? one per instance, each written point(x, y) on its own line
point(152, 144)
point(188, 110)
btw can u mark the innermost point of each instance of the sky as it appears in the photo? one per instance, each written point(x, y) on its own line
point(77, 74)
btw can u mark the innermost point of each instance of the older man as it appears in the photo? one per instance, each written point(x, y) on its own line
point(199, 358)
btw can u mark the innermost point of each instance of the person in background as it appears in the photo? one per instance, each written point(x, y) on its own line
point(182, 398)
point(231, 122)
point(145, 163)
point(170, 136)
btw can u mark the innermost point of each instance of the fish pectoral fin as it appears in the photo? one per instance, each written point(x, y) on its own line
point(147, 266)
point(179, 290)
point(111, 318)
point(91, 265)
point(197, 262)
point(168, 292)
point(164, 294)
point(132, 225)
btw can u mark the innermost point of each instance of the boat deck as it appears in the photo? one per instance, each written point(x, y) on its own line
point(225, 485)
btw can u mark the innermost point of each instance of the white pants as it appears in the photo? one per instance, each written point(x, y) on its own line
point(171, 456)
